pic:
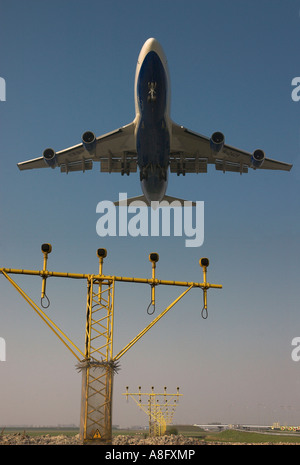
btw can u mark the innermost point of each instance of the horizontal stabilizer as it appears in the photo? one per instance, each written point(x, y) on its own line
point(167, 201)
point(140, 201)
point(183, 203)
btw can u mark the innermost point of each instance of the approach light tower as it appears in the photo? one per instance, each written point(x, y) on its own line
point(160, 408)
point(97, 362)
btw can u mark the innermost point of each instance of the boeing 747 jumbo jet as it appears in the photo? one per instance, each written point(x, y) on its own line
point(152, 141)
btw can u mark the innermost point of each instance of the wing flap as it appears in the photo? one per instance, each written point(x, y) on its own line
point(124, 165)
point(182, 165)
point(83, 166)
point(225, 165)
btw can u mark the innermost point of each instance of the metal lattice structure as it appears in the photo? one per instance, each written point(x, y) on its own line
point(97, 363)
point(160, 408)
point(97, 368)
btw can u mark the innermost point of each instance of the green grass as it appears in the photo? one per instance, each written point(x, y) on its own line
point(188, 430)
point(233, 436)
point(250, 438)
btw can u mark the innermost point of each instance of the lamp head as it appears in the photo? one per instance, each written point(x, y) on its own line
point(153, 257)
point(46, 248)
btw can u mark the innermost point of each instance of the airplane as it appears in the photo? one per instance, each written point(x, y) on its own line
point(152, 142)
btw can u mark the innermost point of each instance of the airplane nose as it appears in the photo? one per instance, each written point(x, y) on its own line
point(151, 42)
point(152, 45)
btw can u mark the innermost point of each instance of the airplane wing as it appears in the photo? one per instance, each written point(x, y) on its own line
point(191, 152)
point(115, 151)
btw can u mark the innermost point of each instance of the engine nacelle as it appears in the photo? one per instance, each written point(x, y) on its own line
point(217, 141)
point(257, 158)
point(89, 141)
point(50, 157)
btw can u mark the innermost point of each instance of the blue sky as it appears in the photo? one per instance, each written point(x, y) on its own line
point(69, 67)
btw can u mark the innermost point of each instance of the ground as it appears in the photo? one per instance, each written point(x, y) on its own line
point(140, 439)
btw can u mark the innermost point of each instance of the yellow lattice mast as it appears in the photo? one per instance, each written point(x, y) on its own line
point(160, 408)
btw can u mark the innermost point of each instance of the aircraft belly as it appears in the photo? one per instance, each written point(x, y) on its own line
point(153, 145)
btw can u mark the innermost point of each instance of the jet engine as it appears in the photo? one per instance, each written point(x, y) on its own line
point(217, 142)
point(257, 158)
point(89, 141)
point(50, 157)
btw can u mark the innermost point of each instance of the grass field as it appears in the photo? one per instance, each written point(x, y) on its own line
point(232, 436)
point(236, 436)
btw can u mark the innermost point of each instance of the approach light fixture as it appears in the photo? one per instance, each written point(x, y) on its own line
point(46, 248)
point(153, 257)
point(101, 253)
point(204, 262)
